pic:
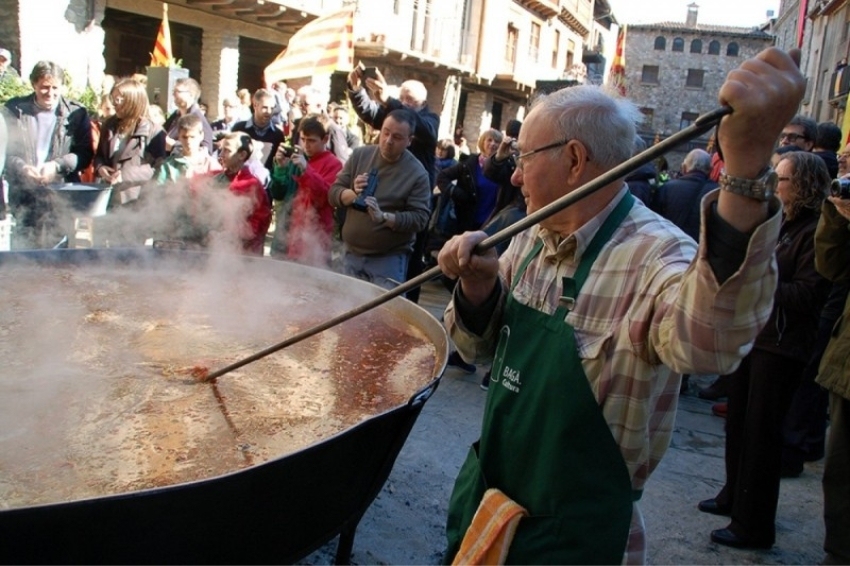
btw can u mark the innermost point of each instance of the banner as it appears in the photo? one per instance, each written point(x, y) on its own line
point(162, 56)
point(845, 124)
point(324, 45)
point(617, 74)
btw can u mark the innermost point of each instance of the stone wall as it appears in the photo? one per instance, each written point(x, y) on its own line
point(670, 97)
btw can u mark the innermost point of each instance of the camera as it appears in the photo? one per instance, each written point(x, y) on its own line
point(840, 188)
point(371, 186)
point(367, 72)
point(289, 150)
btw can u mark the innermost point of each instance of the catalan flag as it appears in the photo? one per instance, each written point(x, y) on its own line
point(162, 56)
point(324, 45)
point(617, 74)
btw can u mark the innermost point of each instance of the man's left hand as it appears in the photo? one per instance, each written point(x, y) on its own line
point(378, 87)
point(299, 161)
point(375, 212)
point(764, 93)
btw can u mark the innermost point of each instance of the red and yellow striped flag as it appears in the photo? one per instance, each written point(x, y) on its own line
point(617, 74)
point(324, 45)
point(162, 56)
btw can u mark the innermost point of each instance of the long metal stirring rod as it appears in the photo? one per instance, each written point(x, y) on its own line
point(700, 126)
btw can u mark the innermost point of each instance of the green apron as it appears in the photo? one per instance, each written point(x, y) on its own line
point(544, 441)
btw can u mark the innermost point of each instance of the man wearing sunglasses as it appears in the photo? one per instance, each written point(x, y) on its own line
point(591, 317)
point(800, 131)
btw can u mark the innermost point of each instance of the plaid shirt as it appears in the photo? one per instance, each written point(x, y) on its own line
point(648, 312)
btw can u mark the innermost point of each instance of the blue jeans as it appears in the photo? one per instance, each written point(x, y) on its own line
point(386, 271)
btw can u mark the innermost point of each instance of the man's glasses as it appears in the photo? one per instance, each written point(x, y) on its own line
point(791, 137)
point(527, 154)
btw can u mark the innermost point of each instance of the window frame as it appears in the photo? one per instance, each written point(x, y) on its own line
point(646, 72)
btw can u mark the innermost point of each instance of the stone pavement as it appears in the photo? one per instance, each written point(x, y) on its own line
point(405, 523)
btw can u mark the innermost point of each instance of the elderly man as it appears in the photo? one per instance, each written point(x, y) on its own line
point(800, 131)
point(49, 142)
point(186, 94)
point(678, 200)
point(591, 316)
point(379, 229)
point(6, 69)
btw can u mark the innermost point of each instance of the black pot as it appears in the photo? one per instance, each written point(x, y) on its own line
point(80, 199)
point(275, 512)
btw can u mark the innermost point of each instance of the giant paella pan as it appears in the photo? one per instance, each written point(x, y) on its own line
point(110, 450)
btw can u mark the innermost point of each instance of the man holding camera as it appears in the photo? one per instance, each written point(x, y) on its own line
point(380, 228)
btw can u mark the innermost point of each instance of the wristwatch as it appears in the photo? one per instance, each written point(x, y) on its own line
point(761, 188)
point(385, 216)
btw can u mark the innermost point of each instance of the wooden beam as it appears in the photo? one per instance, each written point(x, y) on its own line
point(207, 2)
point(235, 5)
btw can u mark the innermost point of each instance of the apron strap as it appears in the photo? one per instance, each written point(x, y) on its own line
point(572, 285)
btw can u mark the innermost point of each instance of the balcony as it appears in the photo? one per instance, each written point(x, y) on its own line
point(577, 15)
point(545, 8)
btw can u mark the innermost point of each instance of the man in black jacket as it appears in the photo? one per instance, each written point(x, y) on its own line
point(49, 142)
point(678, 200)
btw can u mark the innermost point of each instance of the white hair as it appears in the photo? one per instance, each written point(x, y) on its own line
point(416, 90)
point(604, 122)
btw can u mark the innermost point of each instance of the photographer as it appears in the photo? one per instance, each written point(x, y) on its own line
point(301, 179)
point(379, 230)
point(832, 260)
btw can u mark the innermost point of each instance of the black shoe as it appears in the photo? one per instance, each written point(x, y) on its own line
point(711, 393)
point(728, 538)
point(718, 389)
point(456, 361)
point(789, 470)
point(485, 383)
point(711, 506)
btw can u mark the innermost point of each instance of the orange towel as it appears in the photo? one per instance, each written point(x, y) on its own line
point(489, 537)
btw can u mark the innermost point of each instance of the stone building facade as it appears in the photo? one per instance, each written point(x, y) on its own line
point(674, 70)
point(824, 38)
point(480, 59)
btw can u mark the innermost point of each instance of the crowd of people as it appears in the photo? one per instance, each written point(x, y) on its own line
point(738, 266)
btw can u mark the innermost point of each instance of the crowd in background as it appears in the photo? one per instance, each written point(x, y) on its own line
point(163, 171)
point(284, 173)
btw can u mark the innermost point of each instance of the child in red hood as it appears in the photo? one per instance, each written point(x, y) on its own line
point(250, 228)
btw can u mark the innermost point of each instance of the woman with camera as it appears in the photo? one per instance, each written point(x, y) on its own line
point(760, 390)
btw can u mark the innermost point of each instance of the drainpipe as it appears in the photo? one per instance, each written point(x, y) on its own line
point(478, 57)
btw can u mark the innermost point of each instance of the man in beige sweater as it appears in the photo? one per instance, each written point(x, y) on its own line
point(380, 228)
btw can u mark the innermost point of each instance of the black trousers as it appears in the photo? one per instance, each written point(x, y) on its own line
point(760, 392)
